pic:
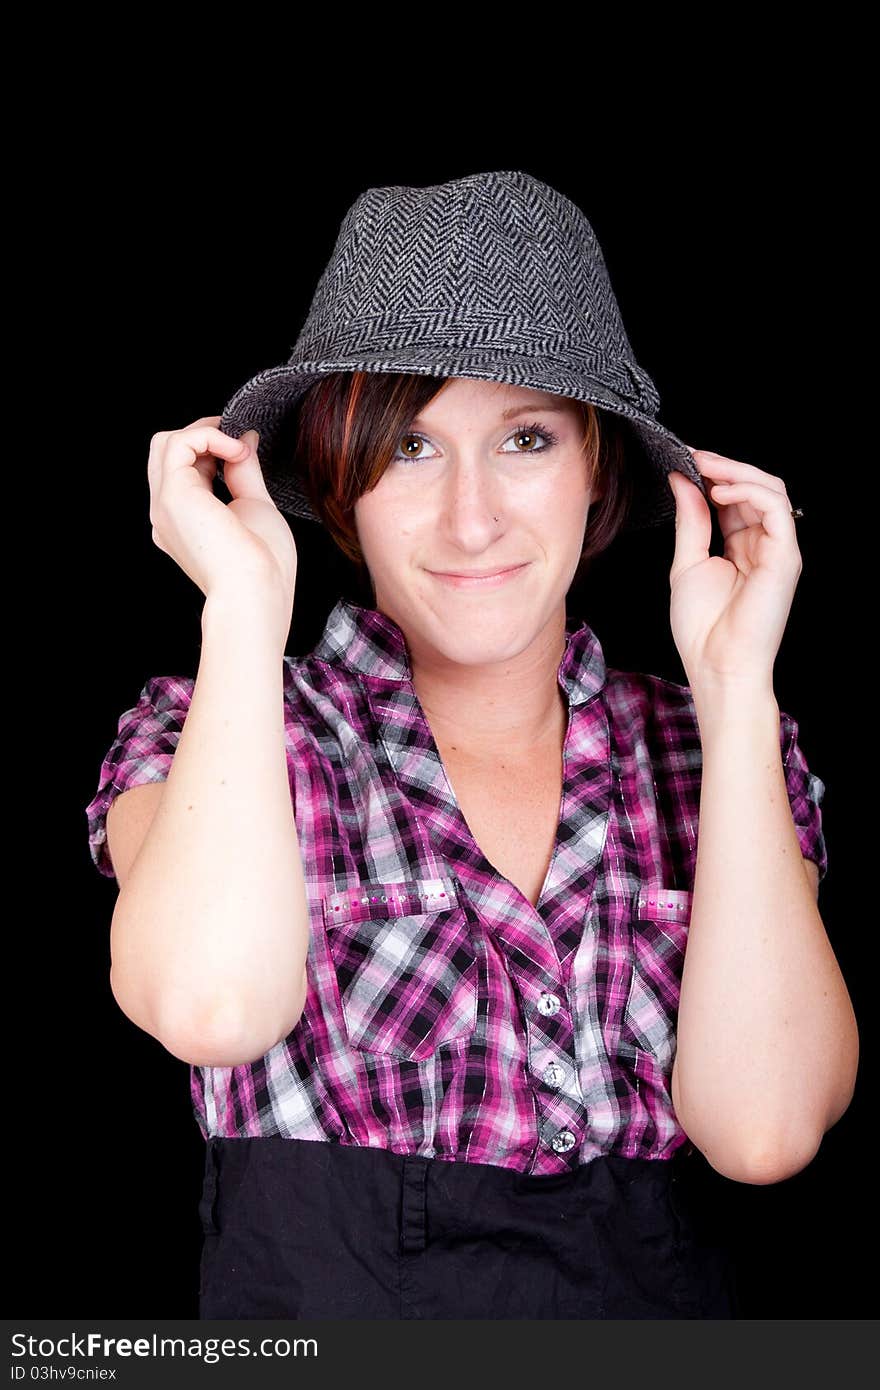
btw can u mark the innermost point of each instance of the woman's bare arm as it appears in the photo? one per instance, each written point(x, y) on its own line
point(209, 936)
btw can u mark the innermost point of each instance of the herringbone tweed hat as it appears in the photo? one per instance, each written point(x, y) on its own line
point(494, 276)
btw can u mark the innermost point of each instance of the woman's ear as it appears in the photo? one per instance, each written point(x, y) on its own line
point(597, 492)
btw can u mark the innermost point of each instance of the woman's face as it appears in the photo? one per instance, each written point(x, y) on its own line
point(488, 476)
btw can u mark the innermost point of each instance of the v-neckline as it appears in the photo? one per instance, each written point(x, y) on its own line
point(539, 937)
point(483, 863)
point(371, 644)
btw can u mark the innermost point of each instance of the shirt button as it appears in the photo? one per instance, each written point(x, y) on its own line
point(548, 1003)
point(563, 1141)
point(553, 1074)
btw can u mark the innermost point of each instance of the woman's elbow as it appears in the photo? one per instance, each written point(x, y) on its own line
point(762, 1164)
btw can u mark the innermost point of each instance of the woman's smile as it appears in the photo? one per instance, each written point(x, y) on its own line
point(490, 579)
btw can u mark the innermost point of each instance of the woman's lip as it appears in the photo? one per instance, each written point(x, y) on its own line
point(478, 581)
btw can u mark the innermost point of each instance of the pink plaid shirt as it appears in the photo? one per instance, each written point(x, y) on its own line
point(445, 1015)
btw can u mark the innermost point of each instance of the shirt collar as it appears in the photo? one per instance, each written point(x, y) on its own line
point(368, 642)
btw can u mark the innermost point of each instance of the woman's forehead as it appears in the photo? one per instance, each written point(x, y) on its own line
point(498, 399)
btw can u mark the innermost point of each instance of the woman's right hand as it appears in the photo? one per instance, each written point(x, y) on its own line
point(226, 548)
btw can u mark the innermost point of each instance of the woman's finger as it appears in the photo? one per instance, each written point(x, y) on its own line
point(715, 467)
point(173, 450)
point(772, 507)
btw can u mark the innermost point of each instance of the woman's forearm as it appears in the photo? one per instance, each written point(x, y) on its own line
point(767, 1040)
point(210, 933)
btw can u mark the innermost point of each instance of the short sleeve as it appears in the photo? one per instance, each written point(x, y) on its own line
point(147, 735)
point(805, 793)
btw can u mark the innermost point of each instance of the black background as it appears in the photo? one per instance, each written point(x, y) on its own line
point(185, 262)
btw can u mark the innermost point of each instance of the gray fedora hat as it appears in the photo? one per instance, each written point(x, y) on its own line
point(494, 276)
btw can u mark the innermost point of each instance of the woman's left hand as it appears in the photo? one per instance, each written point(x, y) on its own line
point(728, 612)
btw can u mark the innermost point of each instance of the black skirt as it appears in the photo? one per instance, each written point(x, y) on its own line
point(306, 1229)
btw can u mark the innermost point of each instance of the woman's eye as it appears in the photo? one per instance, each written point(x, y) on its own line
point(524, 439)
point(410, 444)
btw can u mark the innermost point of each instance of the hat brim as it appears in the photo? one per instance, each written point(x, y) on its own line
point(265, 401)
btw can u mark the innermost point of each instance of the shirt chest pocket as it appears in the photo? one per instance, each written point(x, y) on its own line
point(405, 966)
point(660, 918)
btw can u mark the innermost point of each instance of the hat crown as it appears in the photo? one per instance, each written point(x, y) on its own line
point(497, 260)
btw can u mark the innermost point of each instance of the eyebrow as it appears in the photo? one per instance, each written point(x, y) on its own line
point(524, 408)
point(555, 406)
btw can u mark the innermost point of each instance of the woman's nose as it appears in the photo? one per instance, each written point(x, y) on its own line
point(470, 489)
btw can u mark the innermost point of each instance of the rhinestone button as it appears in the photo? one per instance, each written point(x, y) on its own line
point(553, 1074)
point(563, 1141)
point(548, 1004)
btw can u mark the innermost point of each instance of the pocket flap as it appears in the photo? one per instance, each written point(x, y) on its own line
point(664, 904)
point(369, 899)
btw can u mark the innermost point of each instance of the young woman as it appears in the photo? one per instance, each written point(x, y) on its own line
point(468, 938)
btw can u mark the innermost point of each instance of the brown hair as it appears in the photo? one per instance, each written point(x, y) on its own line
point(348, 426)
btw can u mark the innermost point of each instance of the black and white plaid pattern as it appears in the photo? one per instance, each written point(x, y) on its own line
point(495, 276)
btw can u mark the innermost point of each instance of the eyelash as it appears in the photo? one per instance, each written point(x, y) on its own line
point(534, 428)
